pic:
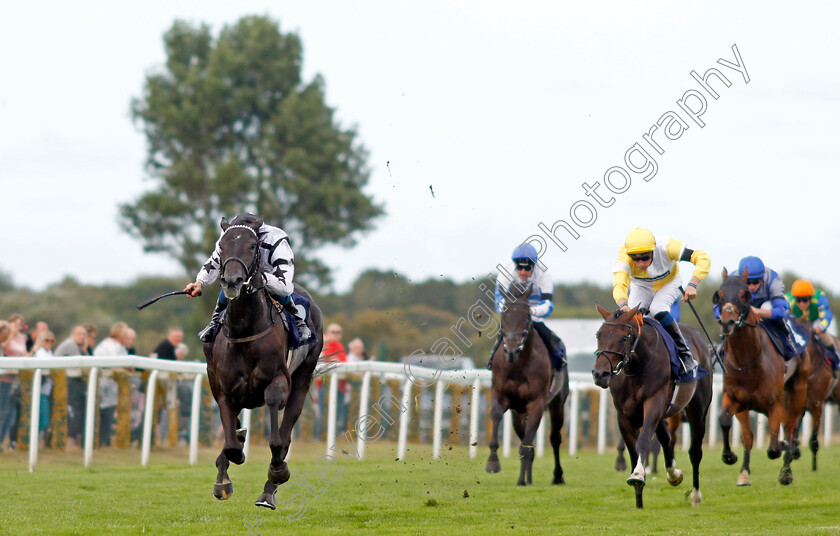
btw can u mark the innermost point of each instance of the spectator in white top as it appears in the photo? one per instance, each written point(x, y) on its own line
point(43, 348)
point(114, 345)
point(74, 345)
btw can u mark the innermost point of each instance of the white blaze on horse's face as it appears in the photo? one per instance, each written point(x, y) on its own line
point(239, 256)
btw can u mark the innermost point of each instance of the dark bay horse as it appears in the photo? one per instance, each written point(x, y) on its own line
point(521, 378)
point(633, 362)
point(756, 379)
point(820, 383)
point(247, 363)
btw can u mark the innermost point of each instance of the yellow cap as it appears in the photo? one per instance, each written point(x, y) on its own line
point(639, 241)
point(802, 288)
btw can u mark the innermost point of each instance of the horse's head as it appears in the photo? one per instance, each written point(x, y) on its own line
point(617, 338)
point(733, 300)
point(516, 319)
point(240, 253)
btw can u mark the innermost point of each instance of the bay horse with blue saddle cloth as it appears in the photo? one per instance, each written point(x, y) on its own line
point(638, 361)
point(249, 363)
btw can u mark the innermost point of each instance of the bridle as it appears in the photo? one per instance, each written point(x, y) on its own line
point(629, 347)
point(521, 336)
point(250, 270)
point(728, 307)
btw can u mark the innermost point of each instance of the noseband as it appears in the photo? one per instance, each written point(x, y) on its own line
point(728, 307)
point(250, 271)
point(627, 352)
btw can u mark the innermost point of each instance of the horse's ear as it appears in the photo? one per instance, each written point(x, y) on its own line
point(717, 297)
point(634, 311)
point(259, 223)
point(745, 296)
point(745, 275)
point(224, 224)
point(725, 273)
point(601, 311)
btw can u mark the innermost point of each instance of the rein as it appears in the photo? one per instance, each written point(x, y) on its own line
point(513, 335)
point(741, 322)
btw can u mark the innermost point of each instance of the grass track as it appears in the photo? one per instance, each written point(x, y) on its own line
point(415, 496)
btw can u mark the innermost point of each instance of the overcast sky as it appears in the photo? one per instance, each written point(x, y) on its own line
point(504, 108)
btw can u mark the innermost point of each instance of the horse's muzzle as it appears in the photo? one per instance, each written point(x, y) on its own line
point(601, 378)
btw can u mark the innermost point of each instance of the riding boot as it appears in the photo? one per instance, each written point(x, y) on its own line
point(300, 316)
point(206, 334)
point(688, 361)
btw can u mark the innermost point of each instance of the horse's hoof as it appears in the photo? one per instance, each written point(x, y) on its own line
point(493, 467)
point(620, 465)
point(279, 476)
point(797, 453)
point(223, 491)
point(520, 483)
point(773, 453)
point(696, 497)
point(266, 500)
point(236, 456)
point(675, 477)
point(560, 480)
point(241, 434)
point(729, 458)
point(744, 478)
point(785, 476)
point(636, 479)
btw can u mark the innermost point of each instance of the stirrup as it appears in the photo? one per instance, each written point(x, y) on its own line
point(689, 365)
point(206, 334)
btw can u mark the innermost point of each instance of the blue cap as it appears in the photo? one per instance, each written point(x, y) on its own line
point(753, 266)
point(525, 251)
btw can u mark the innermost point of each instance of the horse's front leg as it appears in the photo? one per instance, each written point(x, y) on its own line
point(747, 438)
point(234, 438)
point(533, 415)
point(223, 488)
point(555, 411)
point(727, 410)
point(498, 406)
point(276, 395)
point(653, 413)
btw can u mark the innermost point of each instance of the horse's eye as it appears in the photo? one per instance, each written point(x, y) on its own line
point(625, 338)
point(253, 247)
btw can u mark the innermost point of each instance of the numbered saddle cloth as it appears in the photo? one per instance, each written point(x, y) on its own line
point(676, 363)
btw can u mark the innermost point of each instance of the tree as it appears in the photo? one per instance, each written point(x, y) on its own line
point(231, 127)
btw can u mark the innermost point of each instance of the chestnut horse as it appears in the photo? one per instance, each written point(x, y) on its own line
point(633, 362)
point(521, 378)
point(247, 362)
point(820, 383)
point(755, 379)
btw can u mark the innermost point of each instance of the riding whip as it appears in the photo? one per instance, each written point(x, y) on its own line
point(714, 348)
point(153, 300)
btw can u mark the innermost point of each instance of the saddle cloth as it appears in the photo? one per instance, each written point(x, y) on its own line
point(799, 340)
point(676, 363)
point(831, 356)
point(291, 326)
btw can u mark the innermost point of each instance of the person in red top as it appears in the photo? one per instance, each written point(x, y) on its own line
point(333, 351)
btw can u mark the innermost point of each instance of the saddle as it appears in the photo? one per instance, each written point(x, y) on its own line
point(830, 354)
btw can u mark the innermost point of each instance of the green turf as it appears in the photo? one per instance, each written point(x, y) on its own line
point(415, 496)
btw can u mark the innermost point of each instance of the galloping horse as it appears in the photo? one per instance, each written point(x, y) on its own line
point(633, 362)
point(521, 379)
point(246, 364)
point(756, 379)
point(820, 383)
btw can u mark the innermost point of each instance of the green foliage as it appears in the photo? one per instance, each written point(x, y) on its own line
point(231, 126)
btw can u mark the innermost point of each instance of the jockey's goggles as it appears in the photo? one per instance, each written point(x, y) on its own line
point(803, 299)
point(642, 257)
point(524, 264)
point(753, 281)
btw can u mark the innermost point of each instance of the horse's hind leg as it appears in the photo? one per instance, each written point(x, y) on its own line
point(663, 434)
point(276, 395)
point(555, 411)
point(620, 463)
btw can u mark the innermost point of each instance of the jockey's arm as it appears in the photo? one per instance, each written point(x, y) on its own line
point(279, 279)
point(825, 312)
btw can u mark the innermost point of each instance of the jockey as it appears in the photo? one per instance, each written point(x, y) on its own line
point(645, 275)
point(768, 297)
point(812, 304)
point(524, 265)
point(278, 268)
